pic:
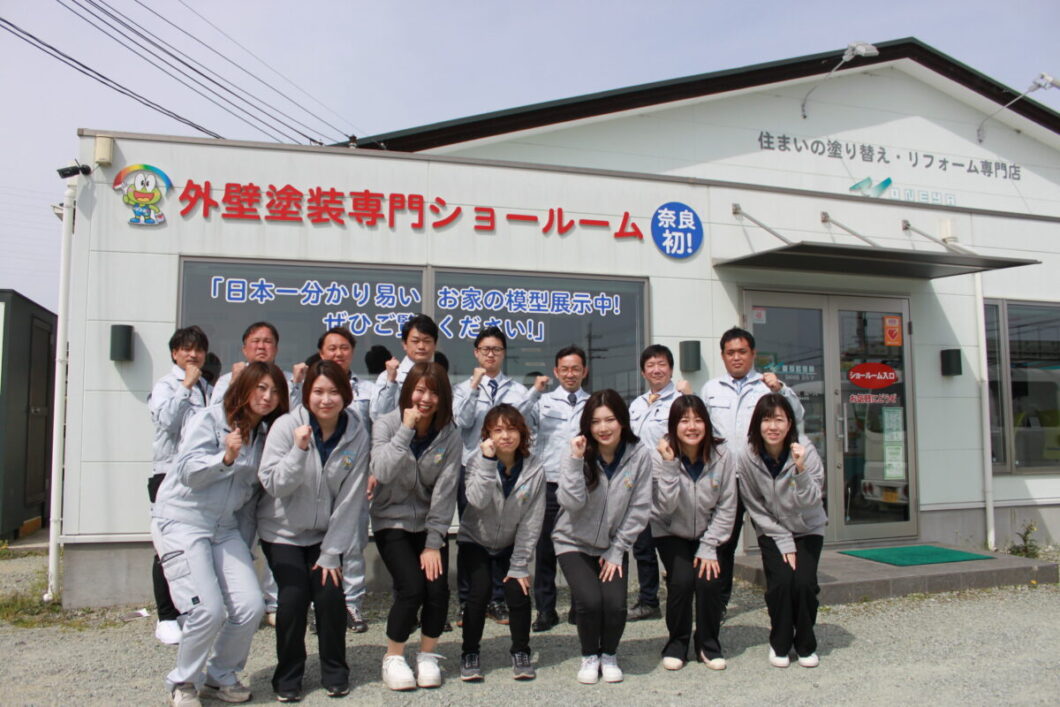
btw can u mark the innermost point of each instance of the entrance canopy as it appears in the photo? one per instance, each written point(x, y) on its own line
point(871, 260)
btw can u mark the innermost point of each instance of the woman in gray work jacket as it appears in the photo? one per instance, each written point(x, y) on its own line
point(202, 523)
point(604, 496)
point(502, 522)
point(781, 483)
point(314, 471)
point(693, 510)
point(416, 452)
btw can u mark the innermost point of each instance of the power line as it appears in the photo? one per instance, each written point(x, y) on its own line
point(177, 54)
point(107, 31)
point(88, 71)
point(274, 70)
point(248, 73)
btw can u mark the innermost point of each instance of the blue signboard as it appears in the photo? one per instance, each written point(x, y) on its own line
point(676, 230)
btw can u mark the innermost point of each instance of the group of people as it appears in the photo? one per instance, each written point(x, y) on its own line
point(299, 462)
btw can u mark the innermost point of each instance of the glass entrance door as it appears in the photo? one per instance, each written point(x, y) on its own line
point(847, 358)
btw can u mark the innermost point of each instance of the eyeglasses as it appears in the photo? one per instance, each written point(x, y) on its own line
point(491, 350)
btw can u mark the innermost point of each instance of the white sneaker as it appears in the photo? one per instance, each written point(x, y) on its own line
point(397, 675)
point(778, 661)
point(185, 695)
point(672, 663)
point(609, 668)
point(168, 632)
point(589, 673)
point(809, 661)
point(716, 663)
point(428, 672)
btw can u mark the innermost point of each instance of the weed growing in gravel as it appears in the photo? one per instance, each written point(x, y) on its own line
point(1029, 547)
point(9, 553)
point(26, 609)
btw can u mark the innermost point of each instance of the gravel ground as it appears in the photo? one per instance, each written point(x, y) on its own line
point(972, 648)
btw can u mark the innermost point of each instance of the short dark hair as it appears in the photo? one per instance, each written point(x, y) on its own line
point(656, 350)
point(261, 325)
point(342, 331)
point(510, 414)
point(572, 350)
point(767, 405)
point(493, 331)
point(681, 406)
point(611, 400)
point(421, 323)
point(191, 336)
point(334, 373)
point(375, 359)
point(437, 379)
point(442, 360)
point(737, 333)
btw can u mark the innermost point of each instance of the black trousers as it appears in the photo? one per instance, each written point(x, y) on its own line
point(791, 595)
point(297, 586)
point(686, 590)
point(647, 568)
point(545, 562)
point(400, 551)
point(480, 563)
point(599, 607)
point(727, 553)
point(163, 603)
point(463, 580)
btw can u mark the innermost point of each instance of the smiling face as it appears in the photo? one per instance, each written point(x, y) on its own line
point(260, 345)
point(490, 355)
point(506, 438)
point(144, 189)
point(325, 400)
point(606, 429)
point(570, 372)
point(336, 348)
point(264, 398)
point(424, 399)
point(658, 372)
point(188, 356)
point(419, 346)
point(774, 428)
point(738, 357)
point(691, 431)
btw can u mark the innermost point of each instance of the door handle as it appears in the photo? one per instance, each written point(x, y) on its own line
point(841, 424)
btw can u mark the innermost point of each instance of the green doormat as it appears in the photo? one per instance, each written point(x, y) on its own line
point(908, 555)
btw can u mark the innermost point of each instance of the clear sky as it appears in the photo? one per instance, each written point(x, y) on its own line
point(382, 66)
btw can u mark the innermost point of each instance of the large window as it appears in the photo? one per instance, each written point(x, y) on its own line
point(540, 314)
point(1023, 356)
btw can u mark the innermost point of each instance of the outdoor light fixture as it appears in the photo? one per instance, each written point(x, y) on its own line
point(1043, 81)
point(854, 49)
point(74, 170)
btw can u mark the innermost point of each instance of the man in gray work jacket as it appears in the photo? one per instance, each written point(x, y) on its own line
point(731, 401)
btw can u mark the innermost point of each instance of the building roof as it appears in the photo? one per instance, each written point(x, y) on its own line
point(594, 104)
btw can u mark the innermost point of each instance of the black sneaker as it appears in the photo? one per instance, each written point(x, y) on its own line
point(522, 668)
point(288, 695)
point(338, 690)
point(447, 627)
point(470, 668)
point(354, 621)
point(498, 611)
point(545, 621)
point(643, 611)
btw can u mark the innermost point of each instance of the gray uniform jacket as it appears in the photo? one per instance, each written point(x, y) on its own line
point(731, 411)
point(555, 423)
point(171, 405)
point(471, 406)
point(496, 522)
point(294, 390)
point(703, 510)
point(414, 494)
point(606, 520)
point(202, 491)
point(649, 421)
point(306, 503)
point(790, 505)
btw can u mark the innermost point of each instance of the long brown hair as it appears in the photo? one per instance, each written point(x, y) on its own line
point(438, 381)
point(511, 415)
point(237, 397)
point(681, 406)
point(611, 400)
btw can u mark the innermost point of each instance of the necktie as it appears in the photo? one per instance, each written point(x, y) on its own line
point(572, 398)
point(493, 389)
point(652, 397)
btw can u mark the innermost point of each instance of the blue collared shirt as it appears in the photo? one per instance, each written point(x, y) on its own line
point(326, 446)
